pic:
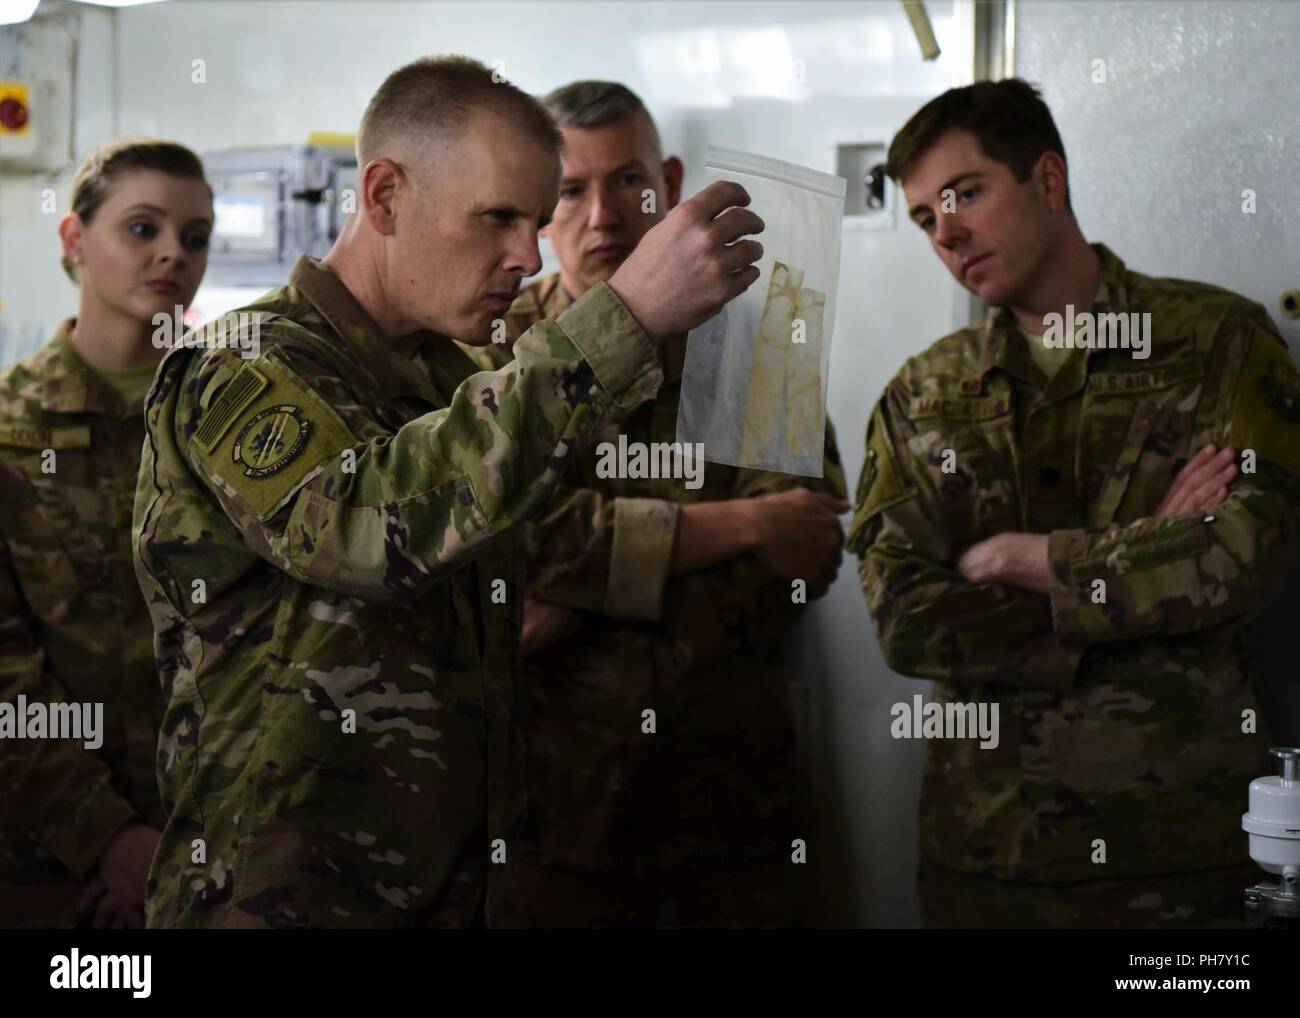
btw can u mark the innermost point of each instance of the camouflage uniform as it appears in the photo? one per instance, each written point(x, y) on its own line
point(73, 628)
point(316, 532)
point(1209, 899)
point(1122, 720)
point(692, 824)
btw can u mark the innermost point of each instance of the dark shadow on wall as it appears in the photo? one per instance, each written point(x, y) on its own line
point(1271, 647)
point(831, 883)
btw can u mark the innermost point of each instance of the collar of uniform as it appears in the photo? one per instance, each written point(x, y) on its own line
point(1112, 289)
point(553, 299)
point(542, 298)
point(1002, 344)
point(388, 360)
point(69, 387)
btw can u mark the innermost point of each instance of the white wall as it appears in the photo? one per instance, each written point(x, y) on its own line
point(1199, 103)
point(71, 49)
point(712, 73)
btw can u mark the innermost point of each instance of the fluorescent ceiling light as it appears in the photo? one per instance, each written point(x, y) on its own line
point(14, 12)
point(120, 3)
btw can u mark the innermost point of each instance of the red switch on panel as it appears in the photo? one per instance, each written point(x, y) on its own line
point(13, 114)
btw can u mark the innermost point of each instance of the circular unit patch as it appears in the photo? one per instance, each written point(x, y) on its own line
point(271, 440)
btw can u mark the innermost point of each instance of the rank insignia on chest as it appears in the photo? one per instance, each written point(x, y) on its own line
point(271, 440)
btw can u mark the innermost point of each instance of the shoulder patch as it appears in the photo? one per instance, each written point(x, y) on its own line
point(272, 440)
point(1266, 411)
point(1279, 387)
point(241, 391)
point(269, 436)
point(882, 483)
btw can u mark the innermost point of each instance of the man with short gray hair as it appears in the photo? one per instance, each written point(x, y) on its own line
point(664, 783)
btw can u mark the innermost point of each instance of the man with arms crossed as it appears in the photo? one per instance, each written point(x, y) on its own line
point(1078, 535)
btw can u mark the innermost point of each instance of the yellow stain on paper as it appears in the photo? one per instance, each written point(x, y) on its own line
point(785, 373)
point(766, 396)
point(803, 378)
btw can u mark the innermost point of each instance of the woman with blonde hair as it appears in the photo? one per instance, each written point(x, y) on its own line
point(80, 701)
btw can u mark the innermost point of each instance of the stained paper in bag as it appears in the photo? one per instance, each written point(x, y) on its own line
point(754, 384)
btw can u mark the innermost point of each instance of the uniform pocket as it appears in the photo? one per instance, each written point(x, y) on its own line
point(60, 538)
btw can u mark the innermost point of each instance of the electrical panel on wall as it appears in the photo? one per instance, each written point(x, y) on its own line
point(35, 96)
point(870, 201)
point(272, 205)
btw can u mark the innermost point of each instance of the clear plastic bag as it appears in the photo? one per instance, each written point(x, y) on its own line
point(754, 383)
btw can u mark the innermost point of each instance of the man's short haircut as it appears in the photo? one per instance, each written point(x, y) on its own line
point(432, 99)
point(591, 104)
point(1008, 118)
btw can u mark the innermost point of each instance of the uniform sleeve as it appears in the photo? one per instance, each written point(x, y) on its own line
point(932, 623)
point(1163, 577)
point(611, 556)
point(56, 790)
point(741, 602)
point(491, 357)
point(361, 509)
point(602, 554)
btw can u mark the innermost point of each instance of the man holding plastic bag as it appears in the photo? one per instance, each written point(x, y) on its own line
point(323, 532)
point(664, 784)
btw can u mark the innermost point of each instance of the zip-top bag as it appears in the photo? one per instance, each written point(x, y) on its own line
point(754, 384)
